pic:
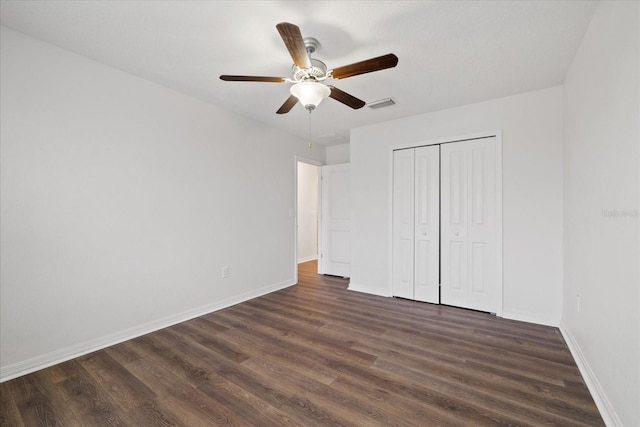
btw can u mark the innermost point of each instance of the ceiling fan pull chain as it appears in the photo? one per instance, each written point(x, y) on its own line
point(309, 143)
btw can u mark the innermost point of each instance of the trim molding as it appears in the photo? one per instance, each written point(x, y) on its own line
point(607, 411)
point(307, 259)
point(62, 355)
point(359, 288)
point(530, 318)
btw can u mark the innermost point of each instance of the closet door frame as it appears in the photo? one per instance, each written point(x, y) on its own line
point(498, 161)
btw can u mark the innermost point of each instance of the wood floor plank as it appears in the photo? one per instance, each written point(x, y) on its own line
point(124, 352)
point(88, 401)
point(197, 409)
point(492, 395)
point(9, 412)
point(308, 336)
point(434, 399)
point(274, 392)
point(180, 400)
point(152, 413)
point(414, 412)
point(225, 347)
point(301, 362)
point(123, 387)
point(36, 398)
point(326, 398)
point(328, 316)
point(316, 354)
point(445, 333)
point(173, 359)
point(460, 371)
point(308, 414)
point(297, 344)
point(478, 351)
point(502, 363)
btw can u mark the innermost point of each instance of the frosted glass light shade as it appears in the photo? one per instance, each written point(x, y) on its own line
point(310, 93)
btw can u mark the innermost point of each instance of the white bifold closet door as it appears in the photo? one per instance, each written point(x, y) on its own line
point(416, 232)
point(445, 239)
point(469, 274)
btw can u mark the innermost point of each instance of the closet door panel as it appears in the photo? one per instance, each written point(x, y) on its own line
point(403, 224)
point(469, 242)
point(454, 230)
point(427, 224)
point(482, 225)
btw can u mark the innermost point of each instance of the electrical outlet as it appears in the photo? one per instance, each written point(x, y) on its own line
point(225, 272)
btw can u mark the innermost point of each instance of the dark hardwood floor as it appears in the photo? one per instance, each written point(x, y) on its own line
point(316, 354)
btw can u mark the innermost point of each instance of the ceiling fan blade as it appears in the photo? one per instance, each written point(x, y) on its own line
point(367, 66)
point(228, 78)
point(345, 98)
point(292, 38)
point(288, 105)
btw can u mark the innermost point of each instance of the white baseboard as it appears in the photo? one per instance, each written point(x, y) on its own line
point(307, 259)
point(359, 288)
point(58, 356)
point(530, 318)
point(607, 412)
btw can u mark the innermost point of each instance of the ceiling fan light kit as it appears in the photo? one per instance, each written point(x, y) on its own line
point(310, 94)
point(309, 73)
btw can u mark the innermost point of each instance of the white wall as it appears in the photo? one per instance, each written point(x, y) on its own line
point(307, 247)
point(601, 202)
point(337, 154)
point(120, 202)
point(532, 195)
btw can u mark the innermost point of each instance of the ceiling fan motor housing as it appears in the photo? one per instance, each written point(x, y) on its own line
point(318, 71)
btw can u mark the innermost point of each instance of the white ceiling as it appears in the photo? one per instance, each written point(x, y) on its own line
point(450, 53)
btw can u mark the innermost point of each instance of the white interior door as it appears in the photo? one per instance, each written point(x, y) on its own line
point(335, 252)
point(403, 223)
point(468, 223)
point(427, 224)
point(415, 228)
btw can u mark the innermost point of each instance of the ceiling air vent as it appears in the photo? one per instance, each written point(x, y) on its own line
point(386, 102)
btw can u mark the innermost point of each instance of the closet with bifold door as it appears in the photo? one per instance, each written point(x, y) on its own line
point(446, 227)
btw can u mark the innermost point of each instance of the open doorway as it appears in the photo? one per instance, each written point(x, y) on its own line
point(307, 247)
point(307, 210)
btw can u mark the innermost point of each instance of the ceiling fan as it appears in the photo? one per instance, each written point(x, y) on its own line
point(310, 74)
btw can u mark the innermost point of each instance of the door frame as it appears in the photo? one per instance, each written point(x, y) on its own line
point(307, 160)
point(498, 159)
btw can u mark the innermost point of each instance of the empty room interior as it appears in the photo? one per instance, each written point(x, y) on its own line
point(411, 213)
